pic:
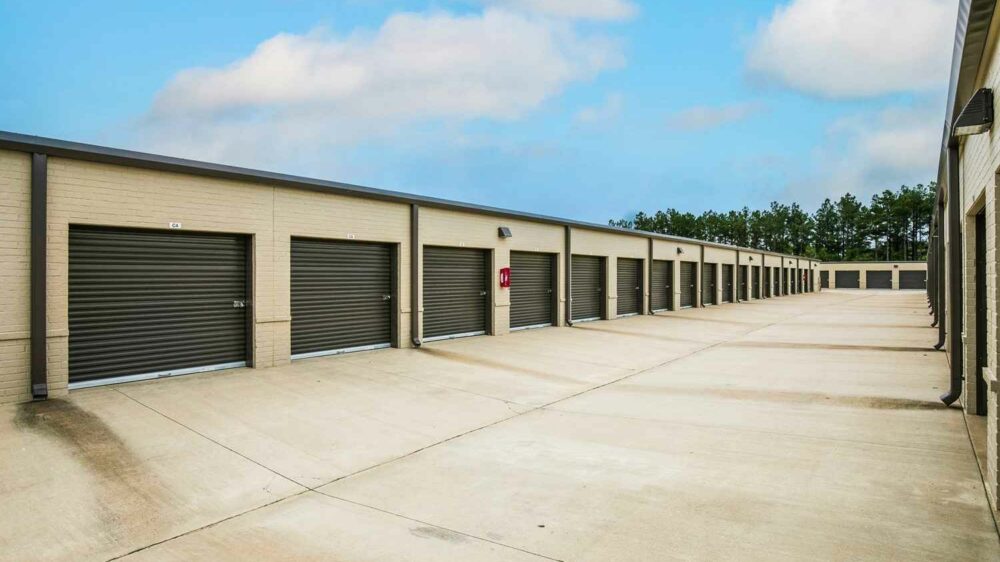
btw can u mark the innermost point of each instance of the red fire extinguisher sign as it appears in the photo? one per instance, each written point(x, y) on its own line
point(505, 277)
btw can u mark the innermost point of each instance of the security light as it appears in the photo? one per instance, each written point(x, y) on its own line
point(977, 115)
point(680, 250)
point(504, 232)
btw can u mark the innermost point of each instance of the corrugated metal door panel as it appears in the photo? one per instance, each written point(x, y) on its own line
point(784, 281)
point(341, 295)
point(689, 287)
point(531, 282)
point(456, 292)
point(878, 279)
point(143, 302)
point(727, 283)
point(629, 283)
point(708, 284)
point(776, 277)
point(660, 285)
point(824, 279)
point(912, 279)
point(848, 279)
point(755, 272)
point(588, 287)
point(767, 283)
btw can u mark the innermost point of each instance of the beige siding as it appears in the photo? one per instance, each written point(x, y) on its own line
point(15, 275)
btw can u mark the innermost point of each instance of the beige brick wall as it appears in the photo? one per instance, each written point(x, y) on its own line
point(613, 246)
point(440, 227)
point(676, 252)
point(15, 275)
point(862, 267)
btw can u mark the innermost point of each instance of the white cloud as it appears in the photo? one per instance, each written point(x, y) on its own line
point(609, 110)
point(856, 48)
point(872, 151)
point(705, 117)
point(295, 91)
point(608, 10)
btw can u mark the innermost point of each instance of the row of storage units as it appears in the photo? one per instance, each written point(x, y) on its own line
point(156, 267)
point(151, 302)
point(874, 275)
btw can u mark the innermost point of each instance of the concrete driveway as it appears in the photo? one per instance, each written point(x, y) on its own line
point(805, 427)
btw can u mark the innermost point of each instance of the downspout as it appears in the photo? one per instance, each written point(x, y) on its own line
point(39, 239)
point(415, 274)
point(940, 284)
point(649, 278)
point(568, 239)
point(955, 275)
point(736, 289)
point(700, 282)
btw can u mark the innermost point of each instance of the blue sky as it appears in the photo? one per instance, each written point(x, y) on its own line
point(590, 109)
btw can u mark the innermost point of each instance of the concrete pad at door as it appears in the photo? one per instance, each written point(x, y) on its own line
point(313, 527)
point(99, 475)
point(317, 420)
point(592, 487)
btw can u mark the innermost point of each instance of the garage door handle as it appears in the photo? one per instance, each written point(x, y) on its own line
point(240, 304)
point(386, 297)
point(482, 293)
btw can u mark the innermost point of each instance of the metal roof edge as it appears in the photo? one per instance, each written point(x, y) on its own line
point(102, 154)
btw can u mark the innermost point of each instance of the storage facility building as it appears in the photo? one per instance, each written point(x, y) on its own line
point(121, 266)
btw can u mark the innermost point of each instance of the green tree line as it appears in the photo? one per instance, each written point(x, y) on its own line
point(894, 226)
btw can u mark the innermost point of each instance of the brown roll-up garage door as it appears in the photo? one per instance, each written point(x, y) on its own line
point(847, 279)
point(661, 291)
point(757, 294)
point(588, 288)
point(689, 283)
point(878, 279)
point(776, 278)
point(912, 279)
point(741, 282)
point(341, 296)
point(708, 283)
point(784, 281)
point(767, 292)
point(629, 284)
point(531, 289)
point(456, 292)
point(144, 304)
point(824, 279)
point(727, 283)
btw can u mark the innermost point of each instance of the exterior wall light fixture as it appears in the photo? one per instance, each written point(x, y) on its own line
point(504, 232)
